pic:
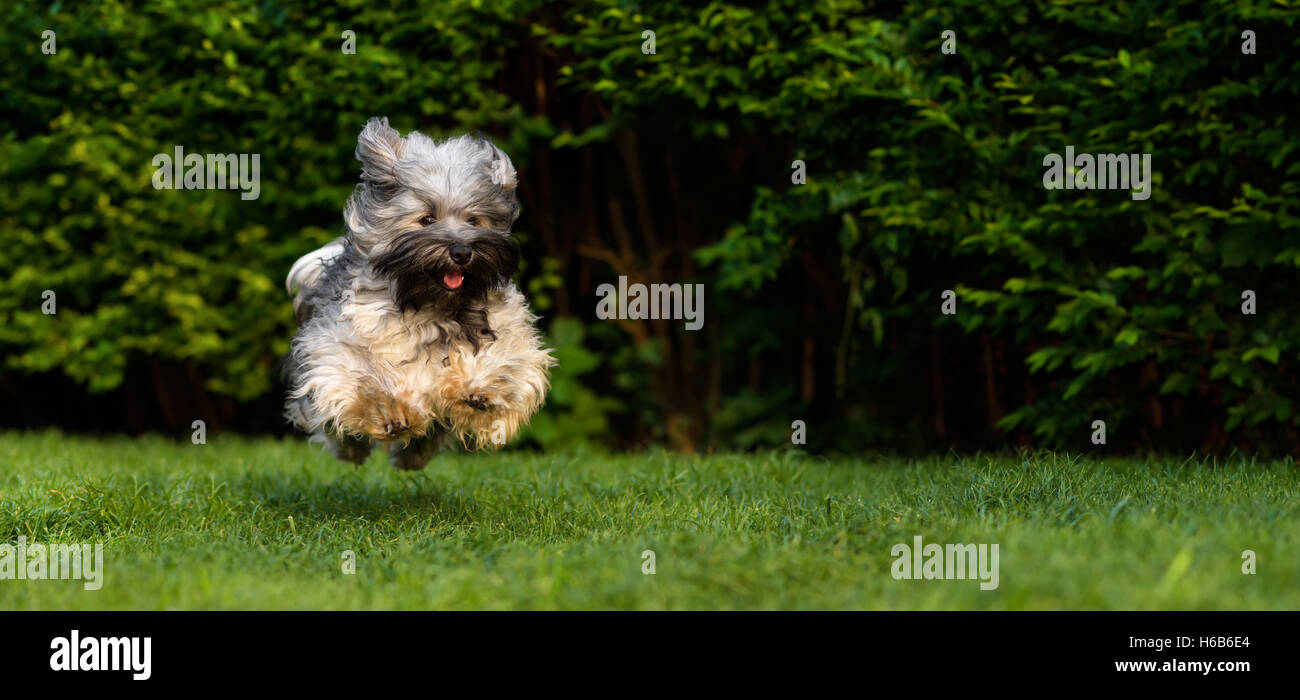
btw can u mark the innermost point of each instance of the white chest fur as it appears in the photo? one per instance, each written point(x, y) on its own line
point(406, 351)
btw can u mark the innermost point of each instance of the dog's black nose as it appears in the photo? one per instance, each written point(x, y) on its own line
point(460, 254)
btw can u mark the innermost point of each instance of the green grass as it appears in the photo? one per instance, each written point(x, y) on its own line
point(262, 524)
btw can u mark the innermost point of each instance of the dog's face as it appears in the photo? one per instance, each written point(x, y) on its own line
point(434, 218)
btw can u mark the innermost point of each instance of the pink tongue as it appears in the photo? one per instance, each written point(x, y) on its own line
point(453, 279)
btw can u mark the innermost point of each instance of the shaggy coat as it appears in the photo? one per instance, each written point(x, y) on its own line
point(409, 325)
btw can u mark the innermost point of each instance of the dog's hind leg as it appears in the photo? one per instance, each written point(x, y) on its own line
point(347, 448)
point(413, 455)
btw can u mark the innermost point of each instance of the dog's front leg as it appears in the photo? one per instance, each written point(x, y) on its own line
point(488, 395)
point(345, 397)
point(384, 414)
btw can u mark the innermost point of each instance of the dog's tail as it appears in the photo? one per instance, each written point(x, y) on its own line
point(307, 272)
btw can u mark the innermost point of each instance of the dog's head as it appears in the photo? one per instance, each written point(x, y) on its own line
point(434, 217)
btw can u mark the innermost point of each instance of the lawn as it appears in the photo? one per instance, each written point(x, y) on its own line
point(263, 524)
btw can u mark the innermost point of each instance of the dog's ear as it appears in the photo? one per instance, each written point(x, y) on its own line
point(500, 168)
point(379, 147)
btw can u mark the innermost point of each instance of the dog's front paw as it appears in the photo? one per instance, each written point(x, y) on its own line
point(389, 417)
point(483, 405)
point(482, 414)
point(467, 392)
point(478, 401)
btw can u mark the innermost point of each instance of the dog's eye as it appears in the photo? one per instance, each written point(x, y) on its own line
point(428, 219)
point(474, 221)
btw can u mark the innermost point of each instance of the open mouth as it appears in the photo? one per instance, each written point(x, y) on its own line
point(453, 279)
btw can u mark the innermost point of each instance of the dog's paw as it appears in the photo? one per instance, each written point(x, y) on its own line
point(478, 401)
point(393, 418)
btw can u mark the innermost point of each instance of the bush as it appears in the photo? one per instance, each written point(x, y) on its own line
point(924, 174)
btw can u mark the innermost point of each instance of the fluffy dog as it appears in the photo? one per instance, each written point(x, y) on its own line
point(409, 325)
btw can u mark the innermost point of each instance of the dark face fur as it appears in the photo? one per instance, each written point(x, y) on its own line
point(434, 219)
point(447, 266)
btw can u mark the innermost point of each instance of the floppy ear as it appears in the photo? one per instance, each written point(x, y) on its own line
point(500, 167)
point(378, 148)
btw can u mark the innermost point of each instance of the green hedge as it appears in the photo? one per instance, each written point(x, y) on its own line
point(924, 174)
